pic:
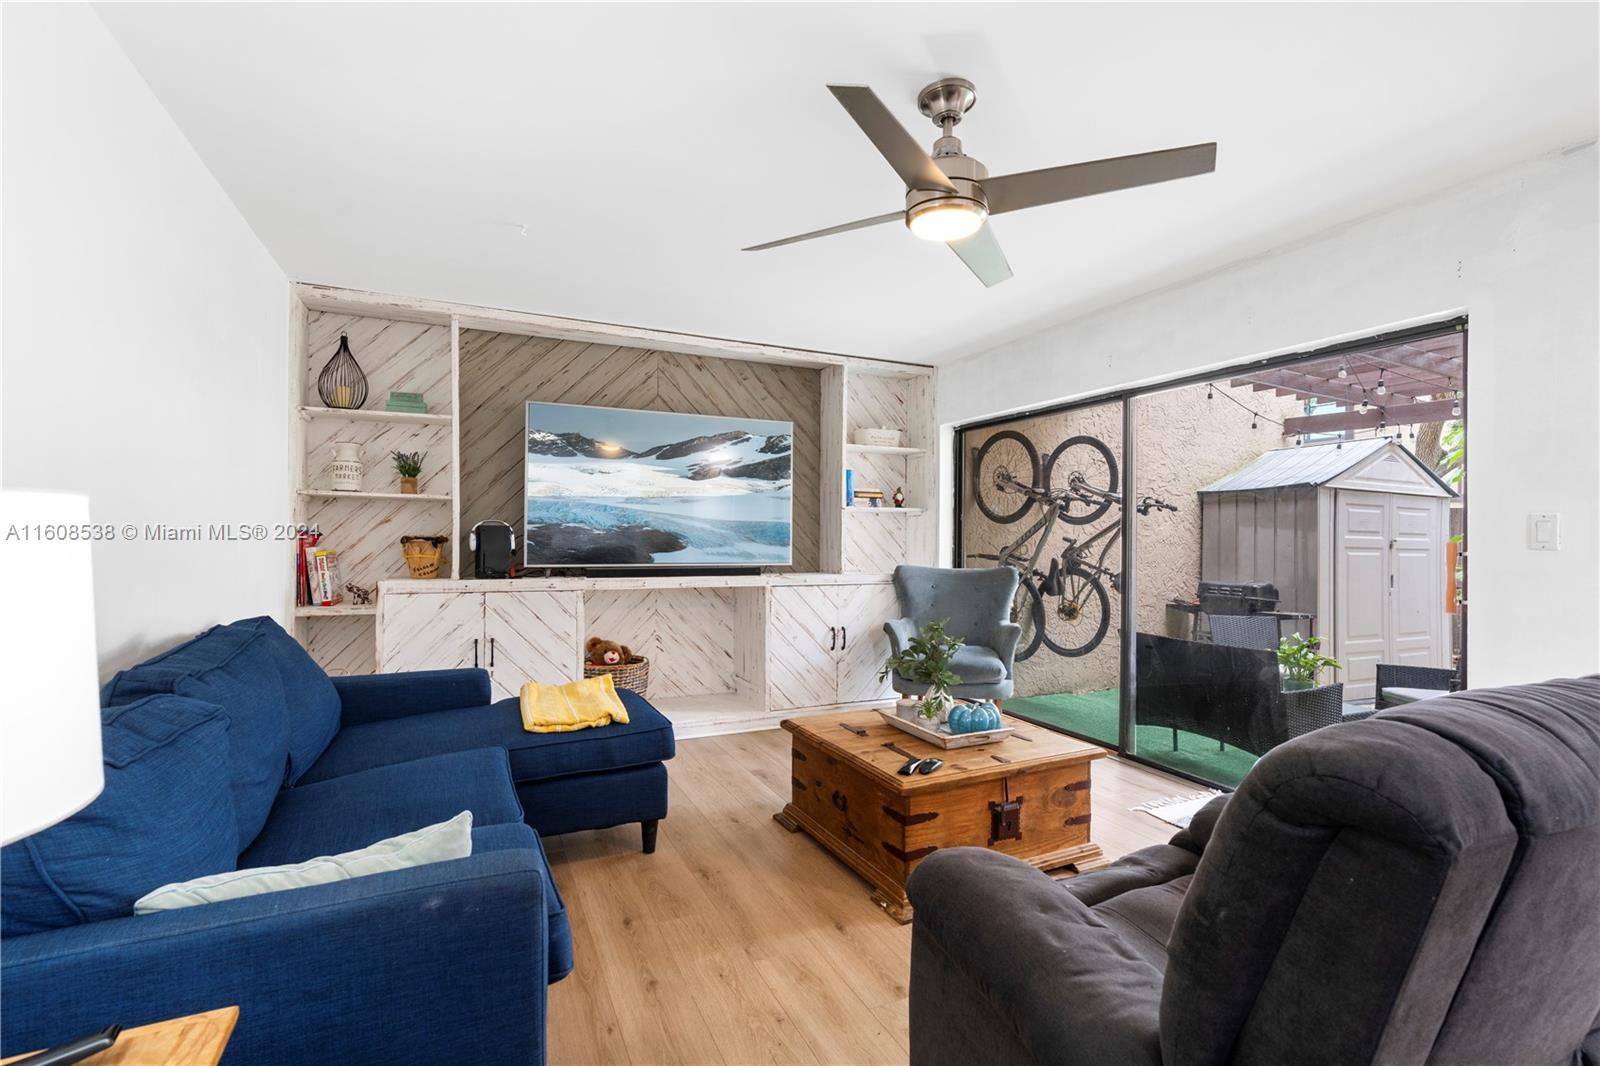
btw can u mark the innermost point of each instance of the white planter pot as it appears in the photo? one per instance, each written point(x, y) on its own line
point(907, 709)
point(345, 470)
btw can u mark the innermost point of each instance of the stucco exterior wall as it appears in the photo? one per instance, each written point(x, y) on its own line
point(1183, 441)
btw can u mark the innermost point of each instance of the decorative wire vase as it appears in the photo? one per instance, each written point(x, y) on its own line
point(341, 383)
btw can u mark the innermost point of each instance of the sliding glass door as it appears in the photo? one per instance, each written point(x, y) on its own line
point(1288, 536)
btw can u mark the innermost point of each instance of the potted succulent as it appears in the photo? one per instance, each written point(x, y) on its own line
point(1308, 705)
point(925, 660)
point(408, 465)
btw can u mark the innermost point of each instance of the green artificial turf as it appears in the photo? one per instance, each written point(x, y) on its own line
point(1094, 715)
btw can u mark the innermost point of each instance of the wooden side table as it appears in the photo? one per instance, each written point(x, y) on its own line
point(195, 1040)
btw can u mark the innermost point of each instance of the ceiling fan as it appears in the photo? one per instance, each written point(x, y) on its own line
point(950, 195)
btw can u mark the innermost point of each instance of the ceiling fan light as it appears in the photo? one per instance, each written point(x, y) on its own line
point(946, 220)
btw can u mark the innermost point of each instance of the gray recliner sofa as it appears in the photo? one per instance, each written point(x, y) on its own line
point(1422, 886)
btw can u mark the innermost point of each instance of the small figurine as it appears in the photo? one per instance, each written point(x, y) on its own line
point(899, 497)
point(359, 596)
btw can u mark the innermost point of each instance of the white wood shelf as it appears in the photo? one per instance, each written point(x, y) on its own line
point(343, 610)
point(884, 449)
point(883, 510)
point(329, 494)
point(403, 418)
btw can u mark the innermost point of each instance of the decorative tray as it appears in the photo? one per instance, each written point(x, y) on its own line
point(936, 735)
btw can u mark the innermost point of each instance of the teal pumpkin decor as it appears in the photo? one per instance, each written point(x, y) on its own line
point(960, 718)
point(973, 718)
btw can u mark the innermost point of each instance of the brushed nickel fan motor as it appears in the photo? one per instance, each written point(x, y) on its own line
point(945, 101)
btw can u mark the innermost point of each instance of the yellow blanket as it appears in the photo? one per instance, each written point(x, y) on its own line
point(575, 705)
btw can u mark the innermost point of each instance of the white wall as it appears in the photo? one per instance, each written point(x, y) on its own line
point(1517, 251)
point(145, 336)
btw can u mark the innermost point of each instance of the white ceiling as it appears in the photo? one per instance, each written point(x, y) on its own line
point(401, 147)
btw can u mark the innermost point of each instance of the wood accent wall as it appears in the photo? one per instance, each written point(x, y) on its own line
point(877, 543)
point(500, 372)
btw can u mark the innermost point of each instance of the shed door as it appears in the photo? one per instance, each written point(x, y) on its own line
point(1360, 589)
point(1388, 585)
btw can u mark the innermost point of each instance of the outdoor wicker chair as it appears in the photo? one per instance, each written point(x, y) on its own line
point(1415, 682)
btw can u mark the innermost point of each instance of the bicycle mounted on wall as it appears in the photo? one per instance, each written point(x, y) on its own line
point(1067, 608)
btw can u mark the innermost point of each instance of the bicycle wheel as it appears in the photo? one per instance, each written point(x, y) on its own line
point(1089, 457)
point(1027, 610)
point(1007, 454)
point(1076, 621)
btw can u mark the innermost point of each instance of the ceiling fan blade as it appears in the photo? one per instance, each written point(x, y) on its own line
point(981, 252)
point(915, 167)
point(846, 227)
point(1013, 192)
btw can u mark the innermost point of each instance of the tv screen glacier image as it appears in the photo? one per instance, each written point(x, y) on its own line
point(606, 486)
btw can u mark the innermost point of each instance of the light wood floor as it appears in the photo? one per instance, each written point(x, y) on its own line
point(738, 942)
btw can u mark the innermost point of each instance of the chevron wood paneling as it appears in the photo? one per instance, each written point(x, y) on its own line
point(403, 356)
point(874, 543)
point(535, 638)
point(379, 441)
point(500, 372)
point(342, 645)
point(689, 635)
point(366, 534)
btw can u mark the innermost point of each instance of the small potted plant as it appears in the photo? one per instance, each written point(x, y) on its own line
point(1307, 704)
point(925, 660)
point(408, 465)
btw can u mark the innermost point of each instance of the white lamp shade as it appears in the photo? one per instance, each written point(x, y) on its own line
point(49, 670)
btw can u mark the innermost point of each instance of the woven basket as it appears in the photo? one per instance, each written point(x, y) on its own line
point(633, 674)
point(422, 555)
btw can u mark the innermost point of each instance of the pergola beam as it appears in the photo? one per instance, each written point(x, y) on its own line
point(1399, 414)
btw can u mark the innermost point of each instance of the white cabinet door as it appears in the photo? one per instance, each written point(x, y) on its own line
point(863, 645)
point(429, 631)
point(531, 636)
point(802, 647)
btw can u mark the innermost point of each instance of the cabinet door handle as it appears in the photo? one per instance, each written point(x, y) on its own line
point(833, 638)
point(844, 638)
point(491, 653)
point(474, 653)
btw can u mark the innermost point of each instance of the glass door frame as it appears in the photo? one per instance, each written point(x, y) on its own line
point(1127, 606)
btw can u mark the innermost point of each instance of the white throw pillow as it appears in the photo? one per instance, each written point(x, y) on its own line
point(434, 843)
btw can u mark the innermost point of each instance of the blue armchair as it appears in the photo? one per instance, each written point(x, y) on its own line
point(975, 606)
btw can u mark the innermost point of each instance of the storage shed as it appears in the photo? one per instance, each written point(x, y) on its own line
point(1352, 532)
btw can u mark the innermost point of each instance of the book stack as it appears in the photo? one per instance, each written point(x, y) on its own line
point(407, 403)
point(869, 497)
point(317, 573)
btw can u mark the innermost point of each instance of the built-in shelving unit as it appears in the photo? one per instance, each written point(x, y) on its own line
point(710, 638)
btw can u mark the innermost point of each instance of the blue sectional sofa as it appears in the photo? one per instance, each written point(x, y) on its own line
point(235, 750)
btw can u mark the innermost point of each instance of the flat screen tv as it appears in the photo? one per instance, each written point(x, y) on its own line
point(612, 487)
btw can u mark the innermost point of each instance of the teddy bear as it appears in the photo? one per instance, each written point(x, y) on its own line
point(597, 651)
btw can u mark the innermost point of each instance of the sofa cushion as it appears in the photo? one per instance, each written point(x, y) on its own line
point(442, 842)
point(647, 738)
point(233, 669)
point(350, 812)
point(1145, 916)
point(975, 664)
point(165, 814)
point(310, 701)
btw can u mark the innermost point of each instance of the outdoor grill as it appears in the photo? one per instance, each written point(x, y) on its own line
point(1247, 597)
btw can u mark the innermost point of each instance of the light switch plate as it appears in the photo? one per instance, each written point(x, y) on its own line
point(1544, 531)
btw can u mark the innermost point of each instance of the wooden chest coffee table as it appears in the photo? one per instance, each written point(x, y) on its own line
point(1027, 796)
